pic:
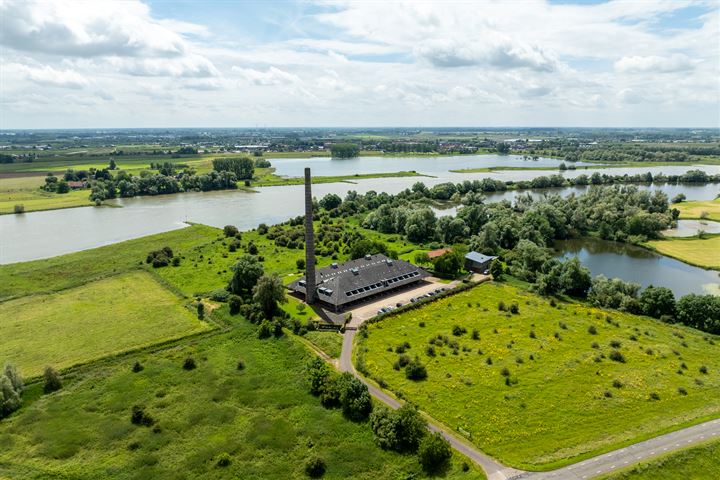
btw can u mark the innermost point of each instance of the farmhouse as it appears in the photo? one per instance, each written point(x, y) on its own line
point(340, 285)
point(477, 262)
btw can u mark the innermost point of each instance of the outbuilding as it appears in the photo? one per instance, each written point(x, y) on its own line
point(478, 262)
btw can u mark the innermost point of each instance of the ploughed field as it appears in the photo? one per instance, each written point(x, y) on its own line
point(702, 461)
point(101, 318)
point(550, 384)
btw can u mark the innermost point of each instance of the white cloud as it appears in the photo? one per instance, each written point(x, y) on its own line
point(654, 64)
point(192, 66)
point(49, 76)
point(88, 28)
point(272, 77)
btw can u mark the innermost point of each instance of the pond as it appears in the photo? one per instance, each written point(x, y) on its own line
point(638, 265)
point(690, 228)
point(46, 234)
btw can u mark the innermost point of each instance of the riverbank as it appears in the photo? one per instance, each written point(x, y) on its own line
point(700, 252)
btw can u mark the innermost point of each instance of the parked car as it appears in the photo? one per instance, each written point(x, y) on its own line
point(398, 304)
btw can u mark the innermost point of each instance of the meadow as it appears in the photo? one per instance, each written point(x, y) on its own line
point(549, 385)
point(709, 209)
point(101, 318)
point(65, 271)
point(703, 252)
point(702, 461)
point(260, 418)
point(36, 200)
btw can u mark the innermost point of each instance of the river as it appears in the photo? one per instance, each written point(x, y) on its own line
point(46, 234)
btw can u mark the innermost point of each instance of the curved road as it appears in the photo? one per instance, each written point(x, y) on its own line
point(587, 469)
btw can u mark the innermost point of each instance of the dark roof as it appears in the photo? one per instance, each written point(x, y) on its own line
point(479, 257)
point(357, 279)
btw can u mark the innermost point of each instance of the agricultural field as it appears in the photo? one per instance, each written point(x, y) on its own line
point(259, 418)
point(101, 318)
point(549, 385)
point(35, 200)
point(709, 210)
point(702, 461)
point(703, 252)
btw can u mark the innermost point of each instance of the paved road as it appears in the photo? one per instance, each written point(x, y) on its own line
point(587, 469)
point(625, 457)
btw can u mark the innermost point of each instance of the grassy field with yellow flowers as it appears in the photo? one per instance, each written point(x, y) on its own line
point(551, 384)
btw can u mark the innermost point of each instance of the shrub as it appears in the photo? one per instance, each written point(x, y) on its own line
point(654, 396)
point(315, 467)
point(402, 361)
point(489, 361)
point(607, 394)
point(458, 330)
point(300, 263)
point(137, 367)
point(592, 330)
point(682, 391)
point(475, 335)
point(20, 208)
point(616, 356)
point(434, 453)
point(52, 380)
point(200, 310)
point(223, 460)
point(400, 430)
point(240, 365)
point(415, 370)
point(617, 383)
point(514, 308)
point(140, 417)
point(234, 301)
point(703, 370)
point(430, 351)
point(219, 295)
point(189, 364)
point(532, 334)
point(265, 330)
point(501, 306)
point(615, 343)
point(505, 372)
point(230, 230)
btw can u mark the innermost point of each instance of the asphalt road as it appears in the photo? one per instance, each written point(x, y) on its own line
point(587, 469)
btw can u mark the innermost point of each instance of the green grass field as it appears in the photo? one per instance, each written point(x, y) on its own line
point(57, 273)
point(698, 463)
point(261, 416)
point(561, 404)
point(703, 252)
point(328, 342)
point(95, 320)
point(35, 200)
point(709, 209)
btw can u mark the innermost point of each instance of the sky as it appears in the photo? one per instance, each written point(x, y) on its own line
point(374, 63)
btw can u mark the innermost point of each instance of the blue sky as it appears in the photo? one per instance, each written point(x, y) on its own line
point(124, 63)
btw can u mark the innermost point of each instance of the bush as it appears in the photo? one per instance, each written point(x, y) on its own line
point(615, 343)
point(265, 330)
point(415, 370)
point(137, 367)
point(434, 453)
point(315, 467)
point(514, 309)
point(458, 330)
point(20, 208)
point(400, 430)
point(501, 306)
point(300, 263)
point(703, 370)
point(219, 295)
point(617, 383)
point(230, 230)
point(654, 396)
point(235, 302)
point(616, 356)
point(52, 380)
point(592, 330)
point(189, 364)
point(223, 460)
point(139, 417)
point(240, 365)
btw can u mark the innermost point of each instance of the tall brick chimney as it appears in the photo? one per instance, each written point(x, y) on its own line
point(309, 242)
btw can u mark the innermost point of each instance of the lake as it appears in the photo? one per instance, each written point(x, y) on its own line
point(639, 265)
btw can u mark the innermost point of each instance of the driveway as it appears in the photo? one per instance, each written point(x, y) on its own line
point(365, 311)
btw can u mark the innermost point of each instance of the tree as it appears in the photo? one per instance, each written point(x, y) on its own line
point(344, 150)
point(11, 387)
point(112, 165)
point(448, 264)
point(315, 467)
point(246, 273)
point(62, 187)
point(300, 263)
point(354, 397)
point(366, 246)
point(503, 148)
point(201, 310)
point(415, 370)
point(52, 380)
point(268, 292)
point(316, 373)
point(700, 311)
point(420, 225)
point(434, 453)
point(242, 167)
point(496, 269)
point(657, 302)
point(330, 201)
point(400, 430)
point(12, 374)
point(575, 279)
point(422, 258)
